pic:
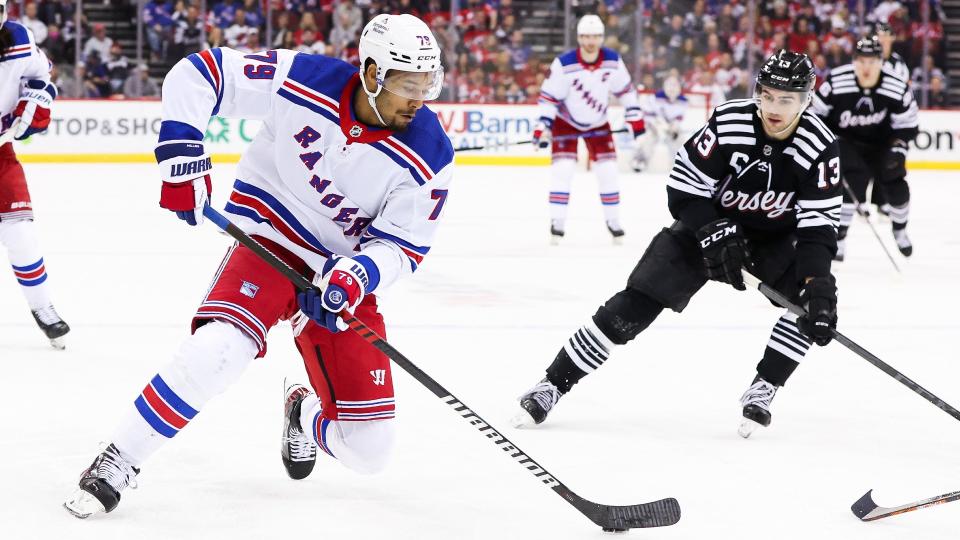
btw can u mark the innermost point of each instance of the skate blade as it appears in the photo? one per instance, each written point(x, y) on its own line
point(58, 343)
point(747, 427)
point(618, 240)
point(555, 240)
point(523, 420)
point(83, 505)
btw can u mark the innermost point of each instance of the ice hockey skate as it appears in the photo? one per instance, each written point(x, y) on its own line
point(536, 404)
point(52, 325)
point(903, 242)
point(101, 484)
point(756, 406)
point(297, 449)
point(556, 232)
point(616, 231)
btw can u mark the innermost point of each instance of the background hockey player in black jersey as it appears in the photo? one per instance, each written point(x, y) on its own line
point(874, 115)
point(758, 187)
point(894, 62)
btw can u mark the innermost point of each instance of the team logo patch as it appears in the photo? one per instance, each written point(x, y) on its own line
point(249, 289)
point(767, 150)
point(356, 131)
point(335, 297)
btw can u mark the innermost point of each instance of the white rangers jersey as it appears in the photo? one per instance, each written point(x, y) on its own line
point(658, 108)
point(580, 93)
point(22, 61)
point(315, 180)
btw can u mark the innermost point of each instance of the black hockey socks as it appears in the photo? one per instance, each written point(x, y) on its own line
point(785, 350)
point(586, 350)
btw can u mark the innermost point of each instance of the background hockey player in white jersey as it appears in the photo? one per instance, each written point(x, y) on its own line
point(572, 105)
point(663, 114)
point(757, 187)
point(25, 100)
point(874, 114)
point(348, 179)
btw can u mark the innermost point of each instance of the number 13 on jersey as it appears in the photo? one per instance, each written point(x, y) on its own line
point(834, 166)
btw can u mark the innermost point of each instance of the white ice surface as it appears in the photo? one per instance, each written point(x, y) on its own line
point(484, 316)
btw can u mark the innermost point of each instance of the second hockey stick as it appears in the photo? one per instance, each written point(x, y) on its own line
point(782, 300)
point(9, 133)
point(867, 510)
point(585, 135)
point(856, 205)
point(612, 518)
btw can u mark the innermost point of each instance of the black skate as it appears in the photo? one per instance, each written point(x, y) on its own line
point(556, 232)
point(101, 484)
point(756, 406)
point(536, 404)
point(52, 325)
point(903, 242)
point(297, 449)
point(616, 231)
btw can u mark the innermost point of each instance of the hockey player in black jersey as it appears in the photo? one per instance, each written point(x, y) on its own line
point(891, 59)
point(874, 115)
point(756, 188)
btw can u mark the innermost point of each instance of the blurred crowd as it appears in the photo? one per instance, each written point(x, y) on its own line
point(487, 57)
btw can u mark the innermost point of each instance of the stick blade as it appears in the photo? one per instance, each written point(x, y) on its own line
point(864, 506)
point(662, 513)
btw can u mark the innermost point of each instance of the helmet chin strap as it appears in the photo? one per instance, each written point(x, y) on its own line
point(371, 99)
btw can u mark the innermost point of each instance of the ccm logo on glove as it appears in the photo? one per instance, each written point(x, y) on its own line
point(713, 238)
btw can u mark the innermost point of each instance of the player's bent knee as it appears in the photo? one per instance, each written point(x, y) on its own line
point(209, 361)
point(366, 446)
point(626, 314)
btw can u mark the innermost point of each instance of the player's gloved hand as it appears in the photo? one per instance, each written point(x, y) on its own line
point(185, 170)
point(895, 161)
point(340, 286)
point(725, 252)
point(673, 132)
point(542, 133)
point(634, 121)
point(33, 109)
point(819, 297)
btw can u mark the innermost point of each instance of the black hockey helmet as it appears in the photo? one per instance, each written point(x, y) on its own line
point(786, 70)
point(869, 46)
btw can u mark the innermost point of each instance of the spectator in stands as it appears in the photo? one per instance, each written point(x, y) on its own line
point(916, 77)
point(236, 33)
point(35, 25)
point(140, 84)
point(938, 98)
point(801, 36)
point(347, 19)
point(223, 14)
point(96, 82)
point(55, 46)
point(254, 16)
point(188, 36)
point(117, 69)
point(215, 38)
point(519, 51)
point(157, 19)
point(98, 43)
point(307, 22)
point(932, 31)
point(282, 31)
point(311, 44)
point(780, 18)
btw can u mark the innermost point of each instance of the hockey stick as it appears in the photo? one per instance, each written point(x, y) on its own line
point(585, 135)
point(866, 218)
point(614, 518)
point(9, 133)
point(782, 300)
point(867, 510)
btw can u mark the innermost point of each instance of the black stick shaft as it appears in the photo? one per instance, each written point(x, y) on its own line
point(453, 402)
point(782, 300)
point(856, 205)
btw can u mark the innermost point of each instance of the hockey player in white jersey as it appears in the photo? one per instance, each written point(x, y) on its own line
point(346, 180)
point(572, 105)
point(663, 114)
point(25, 100)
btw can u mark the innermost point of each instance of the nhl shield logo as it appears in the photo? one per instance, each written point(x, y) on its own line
point(767, 150)
point(356, 131)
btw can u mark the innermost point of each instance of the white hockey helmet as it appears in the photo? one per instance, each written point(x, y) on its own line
point(590, 25)
point(3, 12)
point(402, 43)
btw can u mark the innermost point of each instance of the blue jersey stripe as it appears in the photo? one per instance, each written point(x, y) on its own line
point(172, 398)
point(155, 421)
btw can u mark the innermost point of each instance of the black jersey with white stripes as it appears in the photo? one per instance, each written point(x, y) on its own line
point(873, 116)
point(730, 168)
point(898, 66)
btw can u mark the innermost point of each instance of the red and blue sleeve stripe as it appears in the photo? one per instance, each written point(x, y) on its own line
point(548, 98)
point(31, 275)
point(414, 253)
point(163, 409)
point(320, 426)
point(210, 64)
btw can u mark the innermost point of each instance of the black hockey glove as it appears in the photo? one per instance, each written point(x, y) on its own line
point(895, 161)
point(819, 297)
point(725, 252)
